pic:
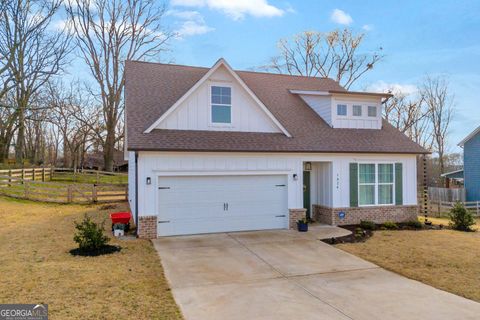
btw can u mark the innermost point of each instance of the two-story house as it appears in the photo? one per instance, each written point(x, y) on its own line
point(215, 149)
point(471, 165)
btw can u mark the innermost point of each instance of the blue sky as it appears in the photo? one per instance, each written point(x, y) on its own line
point(417, 37)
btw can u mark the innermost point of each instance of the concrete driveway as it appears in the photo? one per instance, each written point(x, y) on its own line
point(289, 275)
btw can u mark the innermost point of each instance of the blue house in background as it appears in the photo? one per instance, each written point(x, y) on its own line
point(471, 165)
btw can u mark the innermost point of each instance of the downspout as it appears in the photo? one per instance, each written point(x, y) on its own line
point(136, 192)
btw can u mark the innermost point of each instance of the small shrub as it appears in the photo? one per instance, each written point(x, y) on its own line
point(390, 225)
point(461, 219)
point(414, 224)
point(89, 235)
point(367, 225)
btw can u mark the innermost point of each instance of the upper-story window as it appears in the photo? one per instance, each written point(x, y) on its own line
point(357, 110)
point(221, 99)
point(341, 109)
point(372, 111)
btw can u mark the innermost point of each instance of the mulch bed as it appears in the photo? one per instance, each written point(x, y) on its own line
point(362, 235)
point(358, 235)
point(107, 249)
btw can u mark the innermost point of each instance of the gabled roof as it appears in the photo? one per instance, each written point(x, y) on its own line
point(153, 88)
point(218, 64)
point(470, 136)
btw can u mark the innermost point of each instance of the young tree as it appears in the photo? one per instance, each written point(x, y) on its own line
point(108, 32)
point(332, 54)
point(38, 54)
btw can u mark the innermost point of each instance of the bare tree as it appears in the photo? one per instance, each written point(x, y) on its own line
point(439, 101)
point(8, 45)
point(108, 32)
point(73, 117)
point(409, 114)
point(8, 125)
point(317, 54)
point(38, 54)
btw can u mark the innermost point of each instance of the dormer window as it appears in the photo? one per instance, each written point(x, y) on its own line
point(341, 109)
point(357, 110)
point(372, 111)
point(221, 101)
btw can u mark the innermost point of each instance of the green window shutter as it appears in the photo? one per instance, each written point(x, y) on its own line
point(398, 184)
point(353, 184)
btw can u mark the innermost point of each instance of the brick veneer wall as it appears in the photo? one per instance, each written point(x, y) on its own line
point(147, 227)
point(322, 214)
point(355, 215)
point(294, 215)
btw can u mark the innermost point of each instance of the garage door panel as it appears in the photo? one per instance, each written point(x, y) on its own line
point(189, 205)
point(196, 225)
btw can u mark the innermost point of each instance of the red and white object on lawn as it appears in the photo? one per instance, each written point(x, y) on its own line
point(121, 218)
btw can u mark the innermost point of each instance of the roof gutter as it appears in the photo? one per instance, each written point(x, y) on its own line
point(339, 92)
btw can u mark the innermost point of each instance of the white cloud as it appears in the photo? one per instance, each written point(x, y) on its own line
point(63, 25)
point(191, 28)
point(382, 86)
point(367, 27)
point(236, 9)
point(341, 17)
point(192, 23)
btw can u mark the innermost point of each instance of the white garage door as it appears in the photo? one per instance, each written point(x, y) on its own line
point(204, 204)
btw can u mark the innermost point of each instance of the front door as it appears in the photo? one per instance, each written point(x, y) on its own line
point(306, 192)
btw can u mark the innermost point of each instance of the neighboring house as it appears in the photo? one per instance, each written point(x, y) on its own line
point(453, 179)
point(95, 161)
point(471, 165)
point(213, 150)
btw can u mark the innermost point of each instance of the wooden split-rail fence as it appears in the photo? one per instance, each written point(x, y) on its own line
point(34, 184)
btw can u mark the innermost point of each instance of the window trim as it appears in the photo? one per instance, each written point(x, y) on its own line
point(346, 110)
point(353, 110)
point(377, 183)
point(220, 124)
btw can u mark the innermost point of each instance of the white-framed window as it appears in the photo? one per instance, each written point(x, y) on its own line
point(341, 109)
point(385, 183)
point(372, 111)
point(376, 184)
point(357, 110)
point(221, 104)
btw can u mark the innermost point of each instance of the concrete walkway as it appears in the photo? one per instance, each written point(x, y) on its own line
point(290, 275)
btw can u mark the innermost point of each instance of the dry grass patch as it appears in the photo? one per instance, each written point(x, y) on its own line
point(446, 221)
point(36, 267)
point(445, 259)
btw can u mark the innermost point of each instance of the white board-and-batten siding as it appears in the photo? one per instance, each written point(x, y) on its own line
point(326, 108)
point(195, 112)
point(331, 177)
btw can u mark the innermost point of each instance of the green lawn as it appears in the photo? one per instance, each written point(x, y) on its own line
point(88, 178)
point(36, 267)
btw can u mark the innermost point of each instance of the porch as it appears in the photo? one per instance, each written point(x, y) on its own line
point(327, 193)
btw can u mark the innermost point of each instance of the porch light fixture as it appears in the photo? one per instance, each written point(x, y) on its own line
point(149, 180)
point(307, 166)
point(295, 177)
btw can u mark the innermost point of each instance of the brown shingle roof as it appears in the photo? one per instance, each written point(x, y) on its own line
point(152, 88)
